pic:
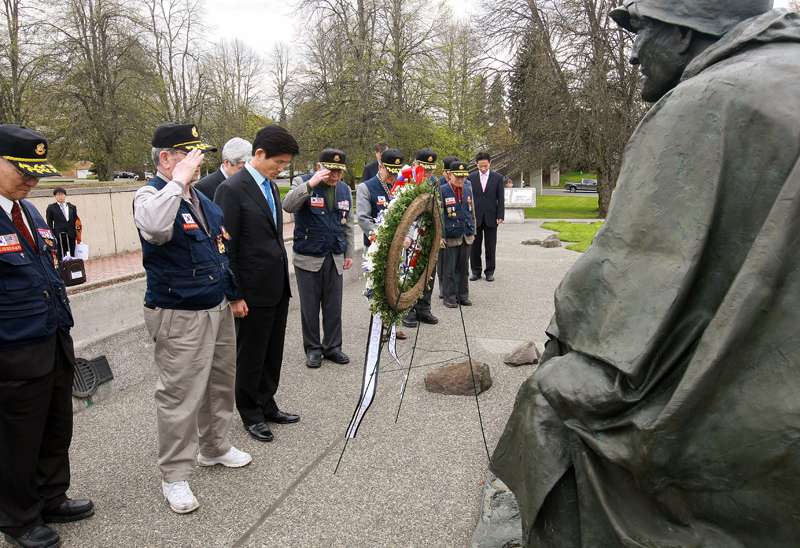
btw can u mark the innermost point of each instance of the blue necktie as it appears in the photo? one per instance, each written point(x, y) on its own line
point(268, 193)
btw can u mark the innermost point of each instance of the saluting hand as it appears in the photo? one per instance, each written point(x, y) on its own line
point(320, 175)
point(188, 169)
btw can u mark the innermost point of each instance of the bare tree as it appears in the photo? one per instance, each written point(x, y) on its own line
point(102, 73)
point(174, 28)
point(237, 97)
point(23, 61)
point(794, 5)
point(283, 77)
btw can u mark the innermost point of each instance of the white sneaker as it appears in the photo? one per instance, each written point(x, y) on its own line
point(232, 459)
point(180, 497)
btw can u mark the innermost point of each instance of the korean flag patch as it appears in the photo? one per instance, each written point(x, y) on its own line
point(317, 201)
point(449, 201)
point(188, 222)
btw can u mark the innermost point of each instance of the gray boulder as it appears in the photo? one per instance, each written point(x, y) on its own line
point(500, 525)
point(455, 379)
point(526, 354)
point(532, 242)
point(551, 241)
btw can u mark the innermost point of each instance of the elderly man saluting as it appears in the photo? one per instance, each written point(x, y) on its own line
point(36, 356)
point(322, 251)
point(187, 313)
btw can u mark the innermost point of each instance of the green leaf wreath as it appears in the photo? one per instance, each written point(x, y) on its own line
point(412, 267)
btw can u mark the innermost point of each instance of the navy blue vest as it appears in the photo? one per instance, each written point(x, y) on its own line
point(457, 217)
point(190, 272)
point(33, 298)
point(318, 231)
point(378, 199)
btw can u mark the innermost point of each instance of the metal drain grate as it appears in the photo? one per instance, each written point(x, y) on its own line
point(85, 382)
point(103, 370)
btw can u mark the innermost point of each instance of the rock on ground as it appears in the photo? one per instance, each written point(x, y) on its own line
point(526, 354)
point(551, 241)
point(499, 525)
point(455, 379)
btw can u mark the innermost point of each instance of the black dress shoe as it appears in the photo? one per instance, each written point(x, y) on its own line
point(338, 356)
point(426, 317)
point(466, 302)
point(410, 319)
point(40, 536)
point(475, 277)
point(490, 277)
point(313, 361)
point(450, 304)
point(282, 418)
point(70, 510)
point(260, 431)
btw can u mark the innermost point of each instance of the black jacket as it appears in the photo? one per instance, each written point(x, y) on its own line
point(208, 184)
point(256, 251)
point(489, 204)
point(57, 222)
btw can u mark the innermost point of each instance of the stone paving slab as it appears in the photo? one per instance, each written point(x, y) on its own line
point(413, 483)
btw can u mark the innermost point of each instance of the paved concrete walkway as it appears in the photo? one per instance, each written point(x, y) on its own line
point(412, 482)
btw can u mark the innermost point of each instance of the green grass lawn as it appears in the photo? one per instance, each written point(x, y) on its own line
point(576, 176)
point(563, 207)
point(581, 234)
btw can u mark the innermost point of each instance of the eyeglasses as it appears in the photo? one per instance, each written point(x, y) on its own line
point(282, 164)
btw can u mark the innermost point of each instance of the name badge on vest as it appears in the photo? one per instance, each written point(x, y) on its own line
point(317, 201)
point(188, 222)
point(449, 201)
point(9, 243)
point(47, 236)
point(381, 200)
point(344, 205)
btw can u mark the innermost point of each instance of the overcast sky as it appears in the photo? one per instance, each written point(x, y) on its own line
point(261, 23)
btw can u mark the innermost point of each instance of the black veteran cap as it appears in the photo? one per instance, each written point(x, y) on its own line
point(447, 160)
point(179, 136)
point(426, 158)
point(392, 160)
point(332, 159)
point(458, 168)
point(26, 150)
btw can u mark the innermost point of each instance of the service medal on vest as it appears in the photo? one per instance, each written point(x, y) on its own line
point(220, 244)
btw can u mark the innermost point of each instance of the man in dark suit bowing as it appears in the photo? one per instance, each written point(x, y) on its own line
point(487, 188)
point(36, 356)
point(235, 154)
point(250, 202)
point(61, 218)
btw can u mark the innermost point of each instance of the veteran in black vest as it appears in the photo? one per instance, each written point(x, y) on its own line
point(458, 205)
point(188, 314)
point(36, 356)
point(421, 311)
point(373, 195)
point(251, 203)
point(322, 250)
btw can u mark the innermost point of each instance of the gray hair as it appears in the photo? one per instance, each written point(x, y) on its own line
point(237, 150)
point(155, 154)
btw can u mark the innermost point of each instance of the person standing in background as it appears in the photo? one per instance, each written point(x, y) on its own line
point(235, 154)
point(487, 187)
point(62, 217)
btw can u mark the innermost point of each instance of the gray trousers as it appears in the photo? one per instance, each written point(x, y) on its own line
point(459, 257)
point(196, 360)
point(321, 289)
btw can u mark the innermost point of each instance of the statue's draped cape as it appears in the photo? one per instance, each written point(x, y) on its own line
point(666, 412)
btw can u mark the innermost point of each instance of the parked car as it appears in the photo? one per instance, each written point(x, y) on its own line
point(589, 185)
point(126, 175)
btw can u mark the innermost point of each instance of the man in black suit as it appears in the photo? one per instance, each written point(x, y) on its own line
point(235, 154)
point(61, 217)
point(250, 202)
point(36, 356)
point(371, 170)
point(487, 187)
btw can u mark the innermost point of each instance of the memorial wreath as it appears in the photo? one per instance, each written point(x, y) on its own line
point(396, 277)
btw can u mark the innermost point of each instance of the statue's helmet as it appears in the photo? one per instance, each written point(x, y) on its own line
point(714, 17)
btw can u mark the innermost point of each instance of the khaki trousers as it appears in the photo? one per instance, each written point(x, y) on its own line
point(196, 359)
